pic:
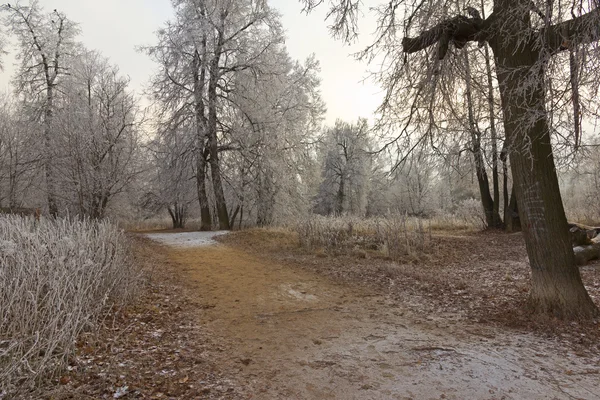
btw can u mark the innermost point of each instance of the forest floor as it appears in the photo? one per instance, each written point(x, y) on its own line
point(257, 317)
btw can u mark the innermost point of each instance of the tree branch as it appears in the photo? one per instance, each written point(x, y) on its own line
point(458, 30)
point(581, 30)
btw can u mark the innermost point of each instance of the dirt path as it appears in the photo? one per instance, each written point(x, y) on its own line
point(296, 335)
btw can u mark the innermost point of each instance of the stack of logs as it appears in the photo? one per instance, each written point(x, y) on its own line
point(586, 242)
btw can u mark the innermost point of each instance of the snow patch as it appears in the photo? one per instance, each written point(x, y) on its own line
point(186, 239)
point(298, 294)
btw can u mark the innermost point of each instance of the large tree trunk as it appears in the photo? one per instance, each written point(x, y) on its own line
point(490, 208)
point(178, 215)
point(557, 288)
point(495, 181)
point(213, 143)
point(48, 159)
point(339, 199)
point(266, 199)
point(199, 79)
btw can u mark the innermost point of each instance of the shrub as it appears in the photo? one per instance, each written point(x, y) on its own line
point(403, 239)
point(470, 211)
point(56, 278)
point(398, 237)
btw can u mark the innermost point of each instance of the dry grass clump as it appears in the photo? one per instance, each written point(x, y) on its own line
point(396, 237)
point(151, 224)
point(56, 279)
point(401, 238)
point(468, 216)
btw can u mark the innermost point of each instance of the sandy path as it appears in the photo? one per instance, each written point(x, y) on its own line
point(295, 335)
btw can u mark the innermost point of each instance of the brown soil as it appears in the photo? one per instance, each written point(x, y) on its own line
point(481, 277)
point(261, 318)
point(154, 349)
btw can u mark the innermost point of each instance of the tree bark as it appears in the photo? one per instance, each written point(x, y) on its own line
point(199, 75)
point(492, 216)
point(557, 288)
point(213, 143)
point(48, 159)
point(495, 181)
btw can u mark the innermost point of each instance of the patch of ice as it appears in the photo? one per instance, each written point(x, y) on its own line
point(186, 239)
point(298, 294)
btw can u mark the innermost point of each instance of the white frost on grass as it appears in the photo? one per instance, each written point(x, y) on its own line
point(186, 239)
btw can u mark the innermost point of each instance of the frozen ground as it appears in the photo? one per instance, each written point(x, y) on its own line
point(186, 239)
point(287, 333)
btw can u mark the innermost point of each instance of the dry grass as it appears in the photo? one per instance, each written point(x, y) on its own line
point(153, 348)
point(146, 225)
point(396, 238)
point(56, 279)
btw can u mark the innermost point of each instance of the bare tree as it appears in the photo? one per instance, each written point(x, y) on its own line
point(200, 53)
point(99, 123)
point(171, 183)
point(46, 41)
point(19, 156)
point(525, 37)
point(179, 89)
point(277, 115)
point(346, 167)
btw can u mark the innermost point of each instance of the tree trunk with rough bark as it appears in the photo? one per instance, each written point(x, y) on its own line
point(490, 208)
point(199, 76)
point(48, 159)
point(213, 142)
point(178, 215)
point(557, 288)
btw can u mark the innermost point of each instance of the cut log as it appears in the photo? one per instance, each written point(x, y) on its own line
point(586, 242)
point(582, 235)
point(583, 254)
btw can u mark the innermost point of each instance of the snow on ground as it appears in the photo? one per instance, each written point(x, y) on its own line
point(186, 239)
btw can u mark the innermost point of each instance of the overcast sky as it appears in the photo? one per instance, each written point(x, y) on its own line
point(116, 27)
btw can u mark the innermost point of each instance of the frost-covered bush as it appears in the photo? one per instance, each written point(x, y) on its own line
point(470, 211)
point(327, 232)
point(56, 278)
point(396, 236)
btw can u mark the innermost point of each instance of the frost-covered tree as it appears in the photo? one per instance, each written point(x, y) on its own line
point(277, 114)
point(19, 157)
point(531, 42)
point(98, 128)
point(346, 167)
point(46, 42)
point(247, 108)
point(199, 53)
point(172, 175)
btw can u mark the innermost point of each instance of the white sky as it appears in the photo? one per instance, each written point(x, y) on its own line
point(116, 27)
